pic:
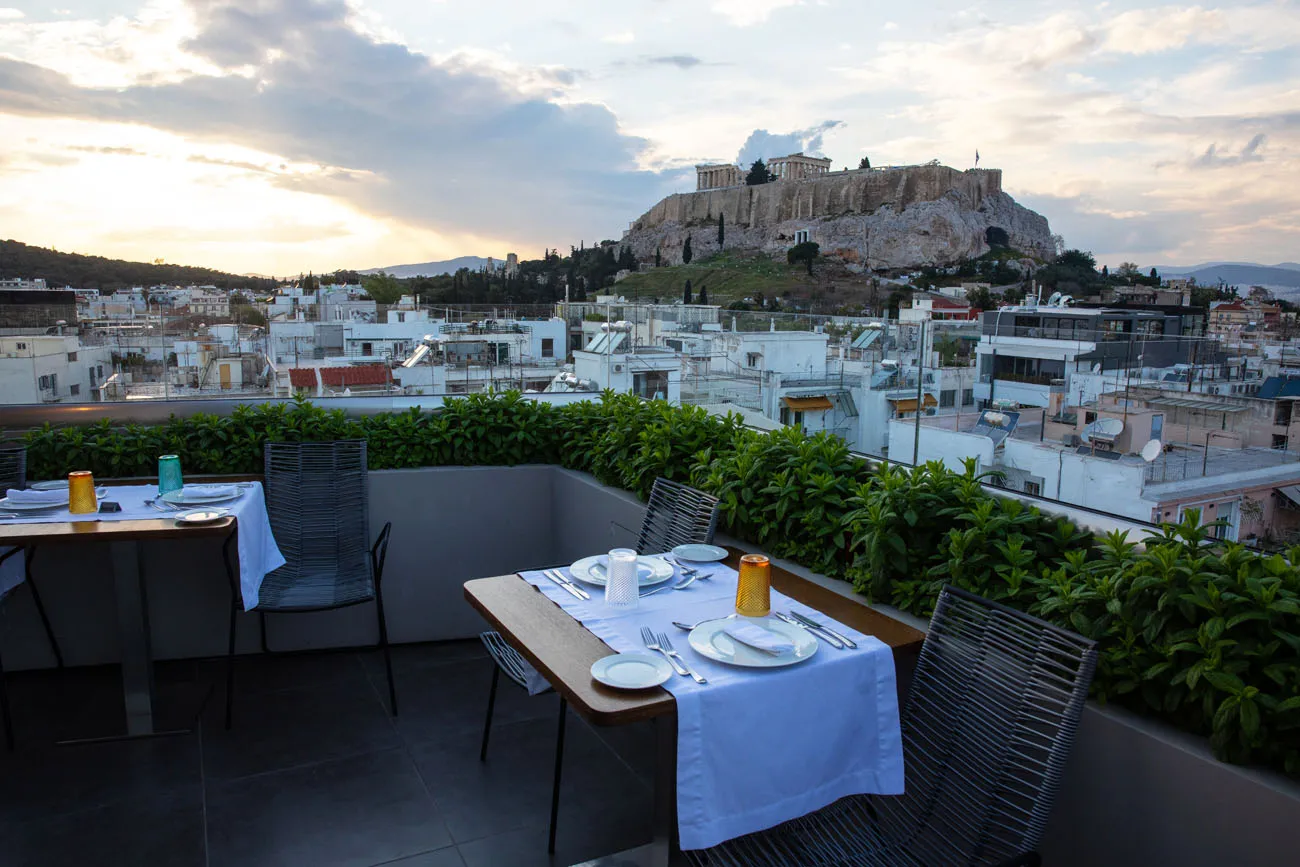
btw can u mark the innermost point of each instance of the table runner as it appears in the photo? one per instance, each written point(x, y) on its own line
point(757, 747)
point(258, 553)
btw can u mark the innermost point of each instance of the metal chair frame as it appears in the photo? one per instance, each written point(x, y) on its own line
point(285, 509)
point(13, 474)
point(990, 718)
point(675, 515)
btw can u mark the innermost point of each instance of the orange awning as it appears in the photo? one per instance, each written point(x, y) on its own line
point(808, 404)
point(908, 404)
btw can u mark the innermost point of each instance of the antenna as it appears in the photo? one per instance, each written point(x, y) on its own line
point(1152, 450)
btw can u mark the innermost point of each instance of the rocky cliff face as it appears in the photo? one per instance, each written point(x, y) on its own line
point(872, 219)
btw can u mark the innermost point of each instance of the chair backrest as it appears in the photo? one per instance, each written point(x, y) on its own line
point(13, 467)
point(316, 496)
point(990, 718)
point(676, 515)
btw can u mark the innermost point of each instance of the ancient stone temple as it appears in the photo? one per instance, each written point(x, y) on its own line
point(797, 167)
point(715, 176)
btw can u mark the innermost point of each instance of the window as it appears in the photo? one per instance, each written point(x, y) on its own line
point(22, 346)
point(651, 385)
point(100, 370)
point(72, 356)
point(1282, 413)
point(1089, 417)
point(74, 389)
point(367, 349)
point(1034, 488)
point(785, 416)
point(1279, 442)
point(948, 398)
point(967, 396)
point(44, 382)
point(548, 347)
point(753, 359)
point(801, 236)
point(401, 317)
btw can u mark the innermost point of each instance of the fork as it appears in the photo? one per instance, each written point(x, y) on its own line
point(686, 570)
point(680, 585)
point(648, 638)
point(667, 646)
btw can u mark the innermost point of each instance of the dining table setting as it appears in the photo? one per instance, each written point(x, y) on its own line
point(780, 710)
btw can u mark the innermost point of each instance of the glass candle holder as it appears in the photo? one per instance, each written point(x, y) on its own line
point(754, 586)
point(169, 474)
point(81, 493)
point(622, 589)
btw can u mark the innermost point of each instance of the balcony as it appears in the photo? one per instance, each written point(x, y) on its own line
point(315, 772)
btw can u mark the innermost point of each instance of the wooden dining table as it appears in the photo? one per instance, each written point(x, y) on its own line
point(125, 540)
point(563, 650)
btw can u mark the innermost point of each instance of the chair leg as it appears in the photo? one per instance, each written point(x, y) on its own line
point(487, 723)
point(230, 665)
point(28, 556)
point(555, 783)
point(4, 710)
point(388, 656)
point(261, 616)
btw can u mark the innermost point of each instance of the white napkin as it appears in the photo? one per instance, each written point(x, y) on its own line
point(38, 498)
point(758, 637)
point(211, 490)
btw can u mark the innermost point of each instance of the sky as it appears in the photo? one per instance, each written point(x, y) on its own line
point(280, 136)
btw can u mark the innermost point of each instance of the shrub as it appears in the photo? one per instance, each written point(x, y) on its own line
point(1202, 633)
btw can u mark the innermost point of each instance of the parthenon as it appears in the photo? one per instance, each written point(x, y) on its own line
point(795, 167)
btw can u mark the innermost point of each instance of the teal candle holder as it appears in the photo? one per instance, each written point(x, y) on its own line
point(169, 474)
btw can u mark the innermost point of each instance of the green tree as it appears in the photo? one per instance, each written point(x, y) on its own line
point(382, 287)
point(309, 283)
point(721, 232)
point(686, 251)
point(704, 296)
point(1128, 270)
point(1077, 259)
point(864, 163)
point(658, 258)
point(758, 174)
point(805, 252)
point(686, 293)
point(980, 299)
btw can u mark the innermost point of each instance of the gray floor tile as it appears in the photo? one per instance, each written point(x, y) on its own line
point(353, 812)
point(162, 830)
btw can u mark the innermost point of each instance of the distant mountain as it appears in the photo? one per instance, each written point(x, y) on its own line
point(96, 272)
point(1243, 274)
point(433, 269)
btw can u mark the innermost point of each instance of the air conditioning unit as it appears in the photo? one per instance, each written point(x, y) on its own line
point(618, 368)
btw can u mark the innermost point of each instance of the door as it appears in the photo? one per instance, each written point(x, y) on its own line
point(225, 375)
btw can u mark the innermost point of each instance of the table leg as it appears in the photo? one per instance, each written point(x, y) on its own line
point(133, 624)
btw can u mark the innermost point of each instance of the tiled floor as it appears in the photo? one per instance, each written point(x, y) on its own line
point(315, 771)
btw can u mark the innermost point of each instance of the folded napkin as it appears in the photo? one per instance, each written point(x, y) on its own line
point(211, 490)
point(758, 637)
point(38, 498)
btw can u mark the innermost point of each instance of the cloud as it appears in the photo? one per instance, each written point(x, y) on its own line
point(763, 145)
point(243, 165)
point(681, 61)
point(747, 13)
point(448, 145)
point(621, 38)
point(1213, 158)
point(7, 14)
point(111, 151)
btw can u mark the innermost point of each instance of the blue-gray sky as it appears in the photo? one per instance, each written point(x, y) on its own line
point(273, 136)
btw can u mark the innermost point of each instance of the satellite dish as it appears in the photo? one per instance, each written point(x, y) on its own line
point(1152, 450)
point(1056, 297)
point(1103, 430)
point(1096, 368)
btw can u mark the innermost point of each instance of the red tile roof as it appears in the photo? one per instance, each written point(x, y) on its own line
point(302, 377)
point(362, 374)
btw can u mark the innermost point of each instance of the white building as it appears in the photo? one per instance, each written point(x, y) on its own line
point(47, 369)
point(209, 301)
point(647, 372)
point(21, 283)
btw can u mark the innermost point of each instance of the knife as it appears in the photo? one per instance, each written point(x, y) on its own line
point(833, 642)
point(564, 579)
point(808, 621)
point(572, 591)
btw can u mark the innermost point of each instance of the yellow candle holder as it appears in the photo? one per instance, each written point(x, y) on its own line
point(754, 586)
point(81, 493)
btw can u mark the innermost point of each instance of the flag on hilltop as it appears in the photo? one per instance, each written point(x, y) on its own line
point(977, 158)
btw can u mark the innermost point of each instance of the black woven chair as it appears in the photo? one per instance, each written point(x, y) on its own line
point(990, 718)
point(675, 515)
point(13, 474)
point(316, 496)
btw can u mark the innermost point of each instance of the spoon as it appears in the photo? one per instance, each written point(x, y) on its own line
point(680, 585)
point(689, 626)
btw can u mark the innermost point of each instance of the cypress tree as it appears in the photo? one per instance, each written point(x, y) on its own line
point(721, 232)
point(686, 293)
point(686, 251)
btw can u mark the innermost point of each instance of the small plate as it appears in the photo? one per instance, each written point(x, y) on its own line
point(649, 570)
point(638, 669)
point(50, 485)
point(201, 516)
point(700, 553)
point(709, 639)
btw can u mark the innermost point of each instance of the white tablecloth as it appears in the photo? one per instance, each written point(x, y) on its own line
point(757, 747)
point(258, 553)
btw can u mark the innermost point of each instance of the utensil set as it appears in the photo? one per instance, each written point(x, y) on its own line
point(662, 644)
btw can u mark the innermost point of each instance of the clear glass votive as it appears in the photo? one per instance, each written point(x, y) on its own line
point(622, 589)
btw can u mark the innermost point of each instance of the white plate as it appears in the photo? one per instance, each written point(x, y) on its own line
point(639, 669)
point(649, 570)
point(198, 495)
point(708, 639)
point(700, 553)
point(201, 516)
point(50, 485)
point(6, 503)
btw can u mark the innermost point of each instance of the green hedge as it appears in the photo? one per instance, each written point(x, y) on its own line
point(1203, 634)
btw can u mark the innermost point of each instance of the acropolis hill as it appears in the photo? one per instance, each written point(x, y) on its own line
point(874, 219)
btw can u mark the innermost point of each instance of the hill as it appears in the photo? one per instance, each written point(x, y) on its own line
point(1244, 274)
point(97, 272)
point(433, 269)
